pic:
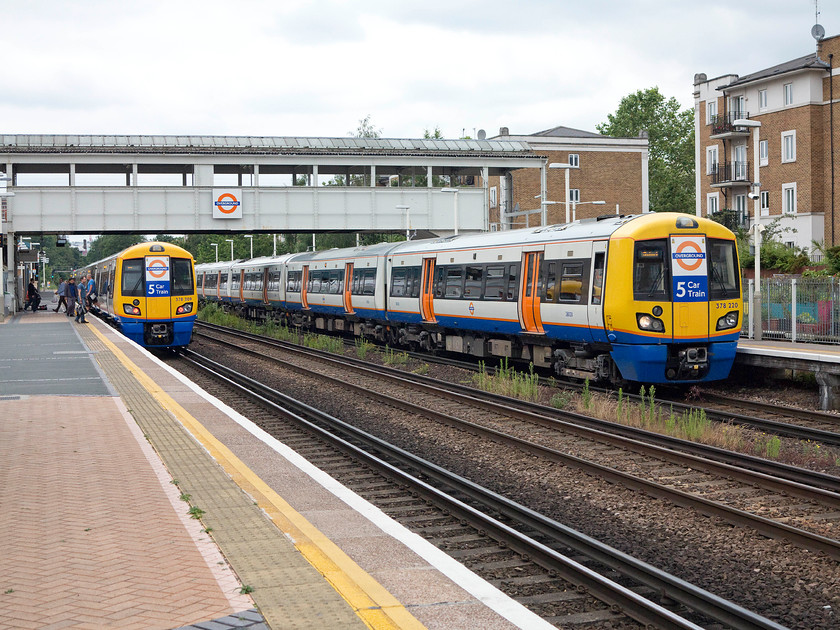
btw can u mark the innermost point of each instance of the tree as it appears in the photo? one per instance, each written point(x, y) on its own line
point(433, 135)
point(671, 145)
point(108, 244)
point(366, 129)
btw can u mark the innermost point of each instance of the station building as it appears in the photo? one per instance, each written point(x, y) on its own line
point(764, 147)
point(600, 169)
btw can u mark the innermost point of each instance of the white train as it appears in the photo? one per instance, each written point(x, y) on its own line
point(652, 298)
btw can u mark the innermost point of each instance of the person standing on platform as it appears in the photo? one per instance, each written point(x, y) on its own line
point(81, 298)
point(91, 291)
point(62, 299)
point(70, 294)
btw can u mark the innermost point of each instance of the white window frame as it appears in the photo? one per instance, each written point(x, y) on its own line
point(762, 99)
point(740, 204)
point(711, 152)
point(711, 111)
point(765, 203)
point(712, 203)
point(788, 93)
point(574, 195)
point(763, 153)
point(788, 189)
point(574, 159)
point(786, 159)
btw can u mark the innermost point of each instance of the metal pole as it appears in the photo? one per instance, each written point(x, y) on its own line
point(567, 194)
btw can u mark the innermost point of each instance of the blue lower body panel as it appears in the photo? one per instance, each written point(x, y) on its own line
point(648, 363)
point(136, 330)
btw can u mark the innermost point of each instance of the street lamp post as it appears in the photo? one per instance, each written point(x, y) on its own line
point(251, 238)
point(230, 240)
point(216, 247)
point(757, 227)
point(454, 191)
point(567, 168)
point(8, 256)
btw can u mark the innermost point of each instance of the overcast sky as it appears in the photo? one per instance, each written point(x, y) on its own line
point(316, 67)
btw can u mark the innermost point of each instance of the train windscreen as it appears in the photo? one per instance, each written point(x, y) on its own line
point(724, 277)
point(182, 276)
point(649, 270)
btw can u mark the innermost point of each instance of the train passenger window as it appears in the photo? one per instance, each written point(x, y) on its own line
point(650, 271)
point(223, 280)
point(413, 287)
point(182, 276)
point(550, 281)
point(440, 281)
point(598, 278)
point(293, 281)
point(494, 283)
point(513, 282)
point(571, 282)
point(274, 281)
point(369, 282)
point(454, 282)
point(399, 282)
point(334, 282)
point(314, 285)
point(132, 278)
point(234, 280)
point(724, 279)
point(473, 279)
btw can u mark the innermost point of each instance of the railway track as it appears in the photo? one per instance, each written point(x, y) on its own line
point(519, 550)
point(712, 481)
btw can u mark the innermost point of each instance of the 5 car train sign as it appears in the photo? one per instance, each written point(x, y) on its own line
point(157, 276)
point(688, 269)
point(227, 203)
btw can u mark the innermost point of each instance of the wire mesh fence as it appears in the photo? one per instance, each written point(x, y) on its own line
point(795, 309)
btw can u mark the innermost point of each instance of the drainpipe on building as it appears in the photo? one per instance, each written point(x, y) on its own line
point(831, 136)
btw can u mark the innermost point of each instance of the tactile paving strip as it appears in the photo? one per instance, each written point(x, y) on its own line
point(289, 592)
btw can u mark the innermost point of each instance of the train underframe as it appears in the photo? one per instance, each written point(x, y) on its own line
point(568, 360)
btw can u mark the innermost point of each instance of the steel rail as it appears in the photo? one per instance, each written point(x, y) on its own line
point(627, 601)
point(808, 484)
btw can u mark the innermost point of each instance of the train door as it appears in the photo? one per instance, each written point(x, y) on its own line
point(241, 286)
point(595, 306)
point(348, 286)
point(529, 293)
point(690, 288)
point(304, 283)
point(427, 310)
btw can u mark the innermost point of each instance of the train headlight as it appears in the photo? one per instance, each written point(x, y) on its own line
point(649, 322)
point(130, 309)
point(184, 309)
point(730, 320)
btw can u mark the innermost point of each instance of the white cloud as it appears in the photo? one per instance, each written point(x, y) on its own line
point(317, 67)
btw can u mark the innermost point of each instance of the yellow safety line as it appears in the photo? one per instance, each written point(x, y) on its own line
point(369, 599)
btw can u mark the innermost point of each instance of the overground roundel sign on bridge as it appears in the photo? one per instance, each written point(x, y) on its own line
point(688, 268)
point(227, 203)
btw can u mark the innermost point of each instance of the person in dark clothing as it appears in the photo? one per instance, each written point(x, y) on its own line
point(81, 295)
point(62, 299)
point(33, 298)
point(70, 294)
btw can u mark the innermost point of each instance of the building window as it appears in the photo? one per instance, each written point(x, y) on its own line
point(711, 203)
point(741, 205)
point(711, 160)
point(574, 195)
point(789, 146)
point(574, 160)
point(788, 93)
point(765, 203)
point(762, 99)
point(763, 153)
point(737, 106)
point(711, 112)
point(494, 197)
point(789, 198)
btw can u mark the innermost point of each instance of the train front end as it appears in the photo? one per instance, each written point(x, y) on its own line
point(675, 309)
point(156, 301)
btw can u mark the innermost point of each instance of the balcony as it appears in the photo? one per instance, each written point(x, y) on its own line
point(723, 127)
point(733, 219)
point(730, 174)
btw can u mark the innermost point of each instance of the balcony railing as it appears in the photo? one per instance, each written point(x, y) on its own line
point(730, 172)
point(733, 219)
point(723, 123)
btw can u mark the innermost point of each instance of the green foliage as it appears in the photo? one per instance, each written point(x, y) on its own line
point(508, 382)
point(671, 145)
point(108, 244)
point(363, 348)
point(775, 255)
point(394, 358)
point(366, 129)
point(433, 135)
point(561, 399)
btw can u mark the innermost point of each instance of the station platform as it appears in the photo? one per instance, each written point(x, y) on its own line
point(106, 453)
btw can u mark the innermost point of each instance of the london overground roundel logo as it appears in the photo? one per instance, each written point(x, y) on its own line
point(157, 268)
point(690, 261)
point(227, 203)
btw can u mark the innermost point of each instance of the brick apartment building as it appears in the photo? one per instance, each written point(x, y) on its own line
point(763, 147)
point(612, 170)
